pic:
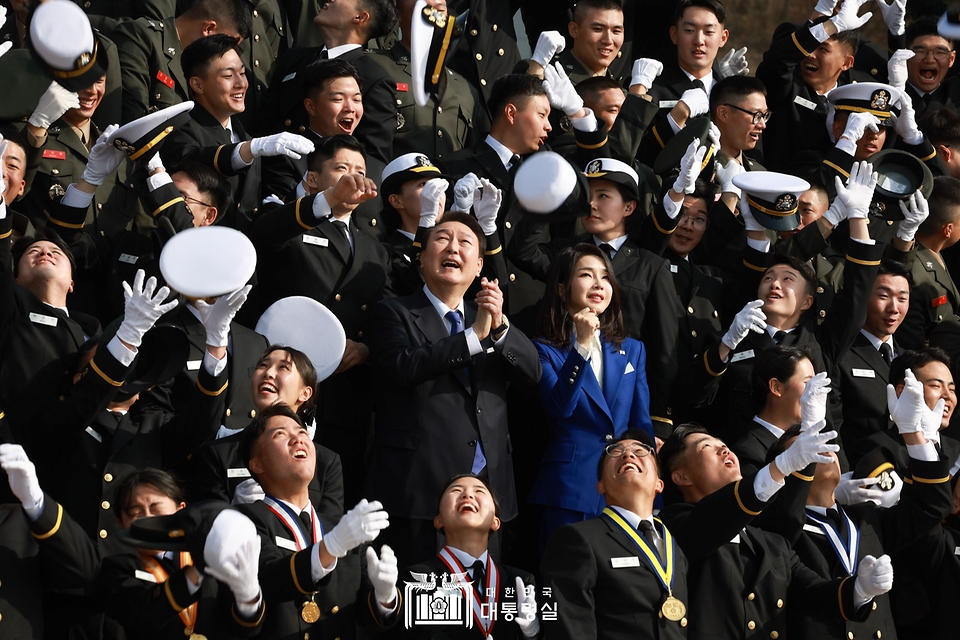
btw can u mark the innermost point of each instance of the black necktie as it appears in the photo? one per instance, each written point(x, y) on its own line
point(779, 336)
point(698, 84)
point(886, 352)
point(608, 249)
point(324, 55)
point(479, 579)
point(307, 522)
point(515, 161)
point(839, 522)
point(646, 530)
point(342, 228)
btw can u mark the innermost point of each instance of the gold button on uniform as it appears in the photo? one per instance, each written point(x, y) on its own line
point(774, 635)
point(473, 32)
point(335, 610)
point(878, 633)
point(286, 122)
point(850, 635)
point(751, 596)
point(874, 607)
point(751, 625)
point(683, 622)
point(779, 604)
point(819, 289)
point(500, 52)
point(483, 82)
point(105, 504)
point(363, 307)
point(823, 313)
point(256, 63)
point(479, 56)
point(228, 412)
point(256, 38)
point(439, 109)
point(337, 297)
point(360, 335)
point(157, 96)
point(689, 309)
point(108, 477)
point(440, 133)
point(255, 13)
point(55, 171)
point(253, 413)
point(508, 225)
point(494, 27)
point(693, 333)
point(103, 533)
point(513, 277)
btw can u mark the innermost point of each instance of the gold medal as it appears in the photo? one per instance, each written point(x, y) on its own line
point(197, 636)
point(673, 609)
point(311, 612)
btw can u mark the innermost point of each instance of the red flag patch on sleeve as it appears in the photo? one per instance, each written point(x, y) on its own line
point(54, 155)
point(937, 302)
point(403, 86)
point(165, 79)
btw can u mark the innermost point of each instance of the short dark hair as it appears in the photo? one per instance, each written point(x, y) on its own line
point(328, 147)
point(711, 5)
point(672, 451)
point(923, 26)
point(226, 13)
point(630, 434)
point(591, 88)
point(778, 362)
point(895, 268)
point(733, 90)
point(44, 234)
point(805, 270)
point(941, 126)
point(320, 72)
point(944, 205)
point(849, 39)
point(163, 481)
point(554, 322)
point(250, 435)
point(461, 476)
point(513, 88)
point(915, 360)
point(214, 187)
point(384, 18)
point(820, 189)
point(308, 374)
point(465, 219)
point(704, 190)
point(582, 6)
point(15, 136)
point(195, 59)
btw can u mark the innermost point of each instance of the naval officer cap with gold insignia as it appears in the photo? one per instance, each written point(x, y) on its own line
point(66, 46)
point(434, 36)
point(899, 175)
point(143, 137)
point(877, 98)
point(409, 166)
point(773, 197)
point(316, 331)
point(615, 171)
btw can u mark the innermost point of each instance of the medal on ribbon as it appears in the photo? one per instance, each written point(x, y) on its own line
point(492, 588)
point(189, 615)
point(847, 550)
point(309, 611)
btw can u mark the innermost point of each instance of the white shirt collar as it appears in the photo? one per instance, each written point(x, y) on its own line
point(707, 80)
point(297, 510)
point(874, 340)
point(407, 234)
point(772, 428)
point(633, 518)
point(773, 330)
point(920, 92)
point(64, 309)
point(822, 510)
point(502, 152)
point(466, 559)
point(336, 52)
point(234, 138)
point(442, 308)
point(827, 92)
point(616, 243)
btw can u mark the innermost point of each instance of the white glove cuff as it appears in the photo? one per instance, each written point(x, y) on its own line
point(818, 32)
point(833, 215)
point(848, 146)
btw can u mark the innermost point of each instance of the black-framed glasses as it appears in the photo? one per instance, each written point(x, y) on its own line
point(939, 53)
point(188, 200)
point(698, 222)
point(618, 450)
point(758, 116)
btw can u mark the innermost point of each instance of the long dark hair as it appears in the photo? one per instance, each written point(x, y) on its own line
point(555, 325)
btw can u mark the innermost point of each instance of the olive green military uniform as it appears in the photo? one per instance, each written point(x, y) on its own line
point(152, 76)
point(443, 125)
point(576, 72)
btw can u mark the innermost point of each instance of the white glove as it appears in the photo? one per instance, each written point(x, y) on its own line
point(549, 44)
point(383, 574)
point(892, 497)
point(857, 195)
point(3, 20)
point(749, 221)
point(281, 144)
point(813, 400)
point(464, 192)
point(906, 126)
point(645, 71)
point(856, 490)
point(726, 173)
point(361, 524)
point(154, 163)
point(248, 491)
point(486, 203)
point(894, 15)
point(847, 18)
point(22, 475)
point(141, 308)
point(907, 410)
point(560, 90)
point(734, 64)
point(54, 102)
point(931, 419)
point(915, 210)
point(874, 578)
point(231, 554)
point(809, 447)
point(527, 610)
point(690, 166)
point(104, 158)
point(897, 65)
point(216, 317)
point(696, 100)
point(836, 213)
point(433, 198)
point(748, 319)
point(858, 123)
point(825, 7)
point(713, 135)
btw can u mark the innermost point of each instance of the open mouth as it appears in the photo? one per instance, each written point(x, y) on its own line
point(728, 461)
point(928, 74)
point(774, 296)
point(237, 96)
point(300, 454)
point(467, 507)
point(811, 67)
point(267, 387)
point(450, 264)
point(629, 467)
point(595, 297)
point(346, 124)
point(88, 104)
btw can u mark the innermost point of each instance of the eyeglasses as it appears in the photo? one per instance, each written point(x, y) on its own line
point(700, 223)
point(618, 450)
point(939, 53)
point(758, 116)
point(188, 200)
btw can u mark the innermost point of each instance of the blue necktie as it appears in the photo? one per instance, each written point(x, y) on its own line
point(456, 322)
point(455, 318)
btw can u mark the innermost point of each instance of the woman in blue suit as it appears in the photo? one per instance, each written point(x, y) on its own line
point(593, 387)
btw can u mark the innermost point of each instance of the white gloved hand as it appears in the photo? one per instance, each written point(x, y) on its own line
point(906, 126)
point(734, 64)
point(486, 203)
point(3, 20)
point(361, 524)
point(874, 578)
point(915, 210)
point(21, 474)
point(104, 159)
point(749, 221)
point(463, 193)
point(748, 319)
point(858, 123)
point(248, 491)
point(141, 308)
point(433, 199)
point(894, 14)
point(930, 421)
point(897, 66)
point(825, 7)
point(216, 317)
point(892, 497)
point(857, 195)
point(726, 173)
point(690, 166)
point(281, 144)
point(696, 100)
point(836, 213)
point(809, 447)
point(713, 135)
point(856, 490)
point(645, 71)
point(813, 401)
point(155, 162)
point(560, 90)
point(907, 410)
point(231, 554)
point(847, 18)
point(54, 102)
point(383, 574)
point(527, 610)
point(549, 44)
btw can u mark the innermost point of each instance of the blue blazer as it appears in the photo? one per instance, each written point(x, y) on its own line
point(582, 416)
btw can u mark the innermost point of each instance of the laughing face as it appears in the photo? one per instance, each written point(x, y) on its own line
point(284, 451)
point(821, 68)
point(276, 379)
point(222, 90)
point(597, 38)
point(698, 36)
point(451, 257)
point(467, 505)
point(937, 381)
point(337, 109)
point(738, 132)
point(90, 99)
point(629, 473)
point(933, 58)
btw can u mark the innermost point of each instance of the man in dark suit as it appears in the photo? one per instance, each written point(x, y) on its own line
point(442, 368)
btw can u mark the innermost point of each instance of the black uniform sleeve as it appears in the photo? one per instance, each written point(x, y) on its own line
point(69, 557)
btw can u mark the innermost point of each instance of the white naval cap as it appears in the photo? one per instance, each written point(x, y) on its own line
point(306, 325)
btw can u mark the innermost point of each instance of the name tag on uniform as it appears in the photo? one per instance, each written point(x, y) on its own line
point(289, 76)
point(143, 575)
point(629, 368)
point(812, 528)
point(803, 102)
point(864, 373)
point(317, 240)
point(96, 436)
point(283, 543)
point(193, 365)
point(956, 551)
point(743, 355)
point(673, 268)
point(629, 561)
point(242, 472)
point(128, 259)
point(668, 104)
point(39, 318)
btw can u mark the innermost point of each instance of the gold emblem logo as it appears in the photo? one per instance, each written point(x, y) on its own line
point(595, 166)
point(880, 100)
point(786, 202)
